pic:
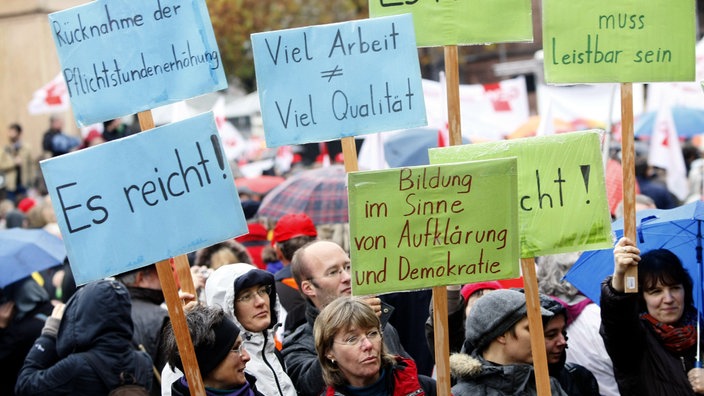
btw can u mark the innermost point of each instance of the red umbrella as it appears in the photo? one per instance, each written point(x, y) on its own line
point(320, 193)
point(259, 184)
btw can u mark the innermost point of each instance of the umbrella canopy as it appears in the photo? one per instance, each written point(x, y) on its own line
point(409, 147)
point(259, 184)
point(679, 230)
point(688, 122)
point(24, 251)
point(320, 193)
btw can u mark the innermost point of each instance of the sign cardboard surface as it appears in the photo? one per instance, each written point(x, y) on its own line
point(121, 57)
point(131, 202)
point(562, 205)
point(439, 23)
point(436, 225)
point(327, 82)
point(618, 41)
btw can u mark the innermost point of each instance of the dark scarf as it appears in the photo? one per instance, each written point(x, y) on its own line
point(152, 295)
point(674, 338)
point(244, 390)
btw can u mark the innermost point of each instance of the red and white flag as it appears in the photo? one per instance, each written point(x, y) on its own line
point(51, 98)
point(666, 153)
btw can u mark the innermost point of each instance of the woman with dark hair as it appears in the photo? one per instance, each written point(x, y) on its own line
point(651, 335)
point(351, 351)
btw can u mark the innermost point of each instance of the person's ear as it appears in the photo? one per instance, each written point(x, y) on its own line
point(501, 339)
point(307, 288)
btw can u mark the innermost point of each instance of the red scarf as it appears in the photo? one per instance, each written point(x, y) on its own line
point(675, 339)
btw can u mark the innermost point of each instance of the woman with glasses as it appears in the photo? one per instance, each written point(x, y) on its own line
point(348, 340)
point(219, 350)
point(248, 297)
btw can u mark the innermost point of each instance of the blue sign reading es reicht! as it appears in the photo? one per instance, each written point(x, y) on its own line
point(325, 82)
point(121, 57)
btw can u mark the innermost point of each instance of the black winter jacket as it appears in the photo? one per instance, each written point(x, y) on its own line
point(97, 321)
point(642, 365)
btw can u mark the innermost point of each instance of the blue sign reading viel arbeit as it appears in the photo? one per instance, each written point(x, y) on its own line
point(121, 57)
point(131, 202)
point(326, 82)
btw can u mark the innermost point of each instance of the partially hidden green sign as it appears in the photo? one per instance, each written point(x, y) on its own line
point(618, 41)
point(439, 23)
point(419, 227)
point(562, 205)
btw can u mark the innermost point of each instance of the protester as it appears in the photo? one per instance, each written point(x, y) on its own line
point(497, 358)
point(354, 361)
point(460, 301)
point(321, 270)
point(55, 142)
point(116, 129)
point(210, 258)
point(586, 346)
point(255, 241)
point(148, 316)
point(219, 350)
point(85, 347)
point(24, 307)
point(651, 335)
point(574, 379)
point(248, 295)
point(292, 231)
point(17, 165)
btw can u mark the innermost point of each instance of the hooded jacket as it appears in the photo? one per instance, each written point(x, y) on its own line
point(302, 359)
point(479, 377)
point(265, 365)
point(96, 320)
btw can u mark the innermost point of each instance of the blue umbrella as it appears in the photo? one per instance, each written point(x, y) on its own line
point(688, 121)
point(410, 147)
point(24, 251)
point(678, 229)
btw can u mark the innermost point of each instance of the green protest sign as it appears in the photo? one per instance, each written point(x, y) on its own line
point(562, 205)
point(439, 23)
point(419, 227)
point(618, 41)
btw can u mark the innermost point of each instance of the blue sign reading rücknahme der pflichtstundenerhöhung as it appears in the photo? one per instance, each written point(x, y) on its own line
point(345, 79)
point(121, 57)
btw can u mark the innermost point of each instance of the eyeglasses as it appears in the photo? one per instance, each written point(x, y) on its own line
point(335, 272)
point(240, 349)
point(355, 340)
point(261, 292)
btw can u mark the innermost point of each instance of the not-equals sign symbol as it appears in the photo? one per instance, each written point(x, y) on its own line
point(329, 74)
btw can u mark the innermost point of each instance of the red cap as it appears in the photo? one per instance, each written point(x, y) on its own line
point(469, 289)
point(26, 204)
point(292, 225)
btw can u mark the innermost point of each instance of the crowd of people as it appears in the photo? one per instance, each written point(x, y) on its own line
point(273, 315)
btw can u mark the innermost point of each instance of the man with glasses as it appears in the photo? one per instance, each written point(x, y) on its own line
point(322, 272)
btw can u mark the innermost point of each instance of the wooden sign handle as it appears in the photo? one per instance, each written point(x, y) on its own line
point(535, 323)
point(629, 179)
point(173, 302)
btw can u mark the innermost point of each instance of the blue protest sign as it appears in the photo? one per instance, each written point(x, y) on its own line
point(131, 202)
point(331, 81)
point(121, 57)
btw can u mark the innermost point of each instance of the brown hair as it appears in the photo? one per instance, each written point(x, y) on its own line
point(338, 316)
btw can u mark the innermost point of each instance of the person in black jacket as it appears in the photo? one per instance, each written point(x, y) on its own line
point(93, 329)
point(219, 351)
point(322, 271)
point(651, 335)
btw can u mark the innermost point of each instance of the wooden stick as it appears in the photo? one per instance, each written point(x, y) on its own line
point(173, 302)
point(452, 83)
point(629, 178)
point(442, 348)
point(535, 323)
point(349, 153)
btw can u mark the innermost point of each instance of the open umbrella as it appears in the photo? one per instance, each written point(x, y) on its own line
point(409, 147)
point(320, 193)
point(24, 251)
point(688, 122)
point(259, 184)
point(679, 230)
